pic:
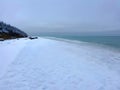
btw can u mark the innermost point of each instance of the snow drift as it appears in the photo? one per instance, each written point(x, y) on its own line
point(47, 64)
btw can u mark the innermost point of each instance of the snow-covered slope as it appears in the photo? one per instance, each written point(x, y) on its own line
point(46, 64)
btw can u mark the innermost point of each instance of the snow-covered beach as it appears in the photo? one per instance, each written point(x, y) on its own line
point(51, 64)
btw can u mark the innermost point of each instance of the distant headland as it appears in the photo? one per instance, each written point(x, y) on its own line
point(10, 32)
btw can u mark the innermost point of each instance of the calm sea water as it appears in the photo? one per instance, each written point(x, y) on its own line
point(113, 41)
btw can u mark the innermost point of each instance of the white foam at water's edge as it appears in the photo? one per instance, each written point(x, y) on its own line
point(78, 42)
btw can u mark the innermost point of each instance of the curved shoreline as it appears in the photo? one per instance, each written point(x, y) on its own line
point(51, 64)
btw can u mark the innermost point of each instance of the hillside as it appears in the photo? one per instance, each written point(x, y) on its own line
point(10, 32)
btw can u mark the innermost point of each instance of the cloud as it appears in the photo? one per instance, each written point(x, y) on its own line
point(62, 15)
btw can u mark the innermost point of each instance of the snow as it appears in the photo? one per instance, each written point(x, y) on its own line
point(9, 50)
point(55, 64)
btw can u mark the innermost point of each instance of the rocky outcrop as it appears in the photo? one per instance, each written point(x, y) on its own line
point(10, 32)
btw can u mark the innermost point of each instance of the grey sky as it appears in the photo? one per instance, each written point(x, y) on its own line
point(62, 15)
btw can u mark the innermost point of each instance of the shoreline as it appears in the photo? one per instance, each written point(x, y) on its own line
point(46, 63)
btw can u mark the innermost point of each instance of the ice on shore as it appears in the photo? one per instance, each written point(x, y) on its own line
point(47, 64)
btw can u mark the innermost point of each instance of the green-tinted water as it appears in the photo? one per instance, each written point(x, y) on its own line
point(113, 41)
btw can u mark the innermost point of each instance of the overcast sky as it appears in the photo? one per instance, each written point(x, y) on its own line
point(62, 15)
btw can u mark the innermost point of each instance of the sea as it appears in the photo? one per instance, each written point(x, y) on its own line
point(111, 41)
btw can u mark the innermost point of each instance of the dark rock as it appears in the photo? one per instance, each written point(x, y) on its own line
point(10, 32)
point(33, 37)
point(1, 39)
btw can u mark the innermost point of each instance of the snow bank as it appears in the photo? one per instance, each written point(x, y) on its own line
point(8, 52)
point(46, 64)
